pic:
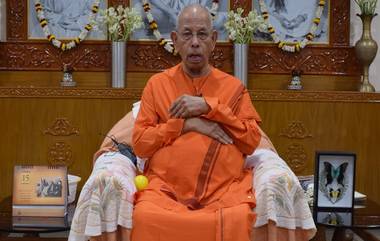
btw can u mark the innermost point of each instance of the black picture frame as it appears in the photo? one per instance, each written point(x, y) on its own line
point(334, 218)
point(334, 181)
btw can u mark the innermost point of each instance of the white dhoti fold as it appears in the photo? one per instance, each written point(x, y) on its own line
point(106, 199)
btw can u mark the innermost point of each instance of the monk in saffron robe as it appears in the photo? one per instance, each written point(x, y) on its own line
point(195, 126)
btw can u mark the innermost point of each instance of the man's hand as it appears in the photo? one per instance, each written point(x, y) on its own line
point(187, 106)
point(208, 128)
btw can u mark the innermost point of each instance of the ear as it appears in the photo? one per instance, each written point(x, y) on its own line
point(174, 37)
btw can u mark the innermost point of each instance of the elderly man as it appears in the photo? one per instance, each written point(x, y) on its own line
point(195, 125)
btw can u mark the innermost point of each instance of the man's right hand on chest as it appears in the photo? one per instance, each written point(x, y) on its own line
point(187, 106)
point(208, 128)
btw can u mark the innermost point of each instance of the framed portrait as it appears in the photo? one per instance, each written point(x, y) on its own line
point(292, 20)
point(334, 180)
point(66, 19)
point(165, 13)
point(335, 218)
point(39, 191)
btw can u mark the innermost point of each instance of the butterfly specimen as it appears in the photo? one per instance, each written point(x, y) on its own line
point(333, 183)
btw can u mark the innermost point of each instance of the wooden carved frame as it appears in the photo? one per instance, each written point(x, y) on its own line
point(336, 58)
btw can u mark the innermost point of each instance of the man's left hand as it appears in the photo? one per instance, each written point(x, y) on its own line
point(187, 106)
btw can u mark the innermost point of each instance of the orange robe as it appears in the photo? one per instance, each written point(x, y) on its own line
point(198, 189)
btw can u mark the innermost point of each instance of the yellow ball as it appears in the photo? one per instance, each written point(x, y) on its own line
point(141, 182)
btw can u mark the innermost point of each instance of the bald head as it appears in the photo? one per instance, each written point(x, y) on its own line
point(194, 11)
point(194, 39)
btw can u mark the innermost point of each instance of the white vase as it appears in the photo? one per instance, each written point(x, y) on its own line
point(118, 64)
point(241, 62)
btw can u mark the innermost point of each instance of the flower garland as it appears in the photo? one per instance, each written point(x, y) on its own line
point(167, 44)
point(51, 37)
point(293, 46)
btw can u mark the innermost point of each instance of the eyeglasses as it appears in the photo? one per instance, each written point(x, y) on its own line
point(187, 35)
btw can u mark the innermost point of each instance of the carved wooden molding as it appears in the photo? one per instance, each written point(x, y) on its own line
point(336, 58)
point(135, 94)
point(317, 60)
point(152, 58)
point(61, 127)
point(296, 157)
point(314, 96)
point(43, 56)
point(60, 153)
point(296, 130)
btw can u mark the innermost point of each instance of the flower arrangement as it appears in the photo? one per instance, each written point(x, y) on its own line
point(120, 22)
point(367, 7)
point(241, 29)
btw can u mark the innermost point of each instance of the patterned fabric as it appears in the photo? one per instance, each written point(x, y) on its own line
point(279, 195)
point(106, 199)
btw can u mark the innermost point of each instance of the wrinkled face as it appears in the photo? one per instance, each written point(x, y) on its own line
point(194, 40)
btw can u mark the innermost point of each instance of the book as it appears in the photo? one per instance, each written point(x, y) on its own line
point(39, 191)
point(40, 222)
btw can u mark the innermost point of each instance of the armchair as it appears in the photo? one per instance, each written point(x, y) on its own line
point(105, 204)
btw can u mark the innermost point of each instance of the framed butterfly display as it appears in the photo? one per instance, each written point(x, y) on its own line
point(334, 180)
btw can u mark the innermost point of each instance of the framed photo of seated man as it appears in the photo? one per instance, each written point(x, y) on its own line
point(165, 14)
point(66, 19)
point(334, 180)
point(292, 20)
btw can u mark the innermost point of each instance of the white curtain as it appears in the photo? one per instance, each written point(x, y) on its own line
point(2, 20)
point(356, 32)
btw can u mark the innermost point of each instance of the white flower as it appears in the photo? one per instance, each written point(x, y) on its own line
point(120, 10)
point(120, 22)
point(241, 28)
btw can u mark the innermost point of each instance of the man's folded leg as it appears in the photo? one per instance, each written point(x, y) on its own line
point(154, 223)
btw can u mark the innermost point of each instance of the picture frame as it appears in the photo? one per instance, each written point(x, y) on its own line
point(332, 218)
point(40, 191)
point(334, 180)
point(165, 14)
point(65, 19)
point(292, 20)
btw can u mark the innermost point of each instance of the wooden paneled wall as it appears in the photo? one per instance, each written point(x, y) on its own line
point(65, 126)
